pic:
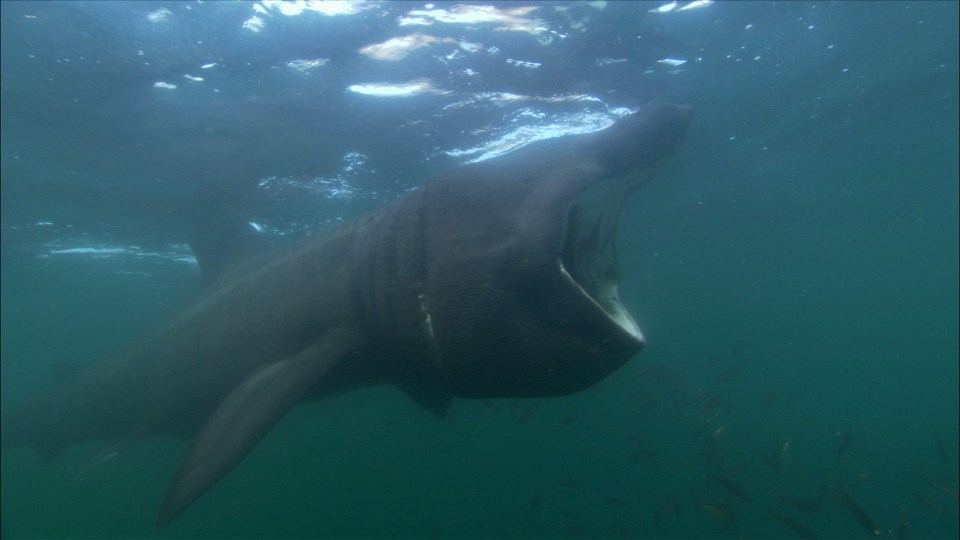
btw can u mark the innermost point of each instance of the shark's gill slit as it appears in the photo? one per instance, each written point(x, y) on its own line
point(589, 254)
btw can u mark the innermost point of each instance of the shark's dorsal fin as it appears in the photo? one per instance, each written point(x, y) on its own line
point(247, 415)
point(222, 232)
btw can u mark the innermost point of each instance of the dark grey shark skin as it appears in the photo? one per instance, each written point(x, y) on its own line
point(495, 279)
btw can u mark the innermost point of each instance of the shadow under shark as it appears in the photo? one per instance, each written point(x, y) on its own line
point(495, 279)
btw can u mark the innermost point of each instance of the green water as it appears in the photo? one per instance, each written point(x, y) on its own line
point(794, 269)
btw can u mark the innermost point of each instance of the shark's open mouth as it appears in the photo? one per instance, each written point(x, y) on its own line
point(589, 256)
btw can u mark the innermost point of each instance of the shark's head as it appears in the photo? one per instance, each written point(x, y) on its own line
point(521, 291)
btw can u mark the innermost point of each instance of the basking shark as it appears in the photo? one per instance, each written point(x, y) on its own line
point(494, 279)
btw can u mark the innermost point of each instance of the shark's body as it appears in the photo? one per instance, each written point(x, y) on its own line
point(495, 279)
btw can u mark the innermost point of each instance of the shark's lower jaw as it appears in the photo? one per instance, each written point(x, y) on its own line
point(589, 258)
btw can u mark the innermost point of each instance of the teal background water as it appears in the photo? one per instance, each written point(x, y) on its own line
point(794, 268)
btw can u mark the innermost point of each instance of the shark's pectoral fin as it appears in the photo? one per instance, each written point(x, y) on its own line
point(245, 417)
